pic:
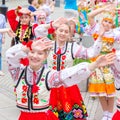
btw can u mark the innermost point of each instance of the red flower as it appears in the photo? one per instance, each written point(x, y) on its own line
point(28, 44)
point(24, 61)
point(23, 94)
point(63, 62)
point(63, 57)
point(113, 50)
point(25, 88)
point(54, 57)
point(24, 100)
point(51, 30)
point(62, 67)
point(54, 67)
point(59, 51)
point(36, 100)
point(35, 89)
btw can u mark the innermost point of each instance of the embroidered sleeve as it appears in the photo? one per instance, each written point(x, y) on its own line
point(116, 33)
point(69, 76)
point(84, 53)
point(116, 70)
point(13, 56)
point(11, 16)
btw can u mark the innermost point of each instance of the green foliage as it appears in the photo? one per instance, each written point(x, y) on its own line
point(76, 61)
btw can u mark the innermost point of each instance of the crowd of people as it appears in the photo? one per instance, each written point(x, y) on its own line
point(42, 53)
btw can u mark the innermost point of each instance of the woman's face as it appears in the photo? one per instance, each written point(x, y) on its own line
point(36, 57)
point(35, 2)
point(41, 19)
point(25, 19)
point(63, 33)
point(107, 25)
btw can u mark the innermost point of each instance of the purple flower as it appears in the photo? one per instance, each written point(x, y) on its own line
point(77, 113)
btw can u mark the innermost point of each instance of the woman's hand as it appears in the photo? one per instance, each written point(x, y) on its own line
point(59, 21)
point(104, 60)
point(11, 33)
point(43, 43)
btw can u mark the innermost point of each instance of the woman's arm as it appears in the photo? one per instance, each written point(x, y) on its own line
point(13, 57)
point(8, 31)
point(84, 53)
point(77, 73)
point(95, 12)
point(4, 30)
point(11, 16)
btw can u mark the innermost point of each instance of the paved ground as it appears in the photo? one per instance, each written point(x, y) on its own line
point(8, 110)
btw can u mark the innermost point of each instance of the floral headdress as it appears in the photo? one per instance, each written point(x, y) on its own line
point(109, 16)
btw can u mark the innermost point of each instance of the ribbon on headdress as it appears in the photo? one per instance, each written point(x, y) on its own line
point(117, 16)
point(51, 31)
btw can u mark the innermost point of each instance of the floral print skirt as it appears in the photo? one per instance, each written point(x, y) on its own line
point(101, 82)
point(67, 103)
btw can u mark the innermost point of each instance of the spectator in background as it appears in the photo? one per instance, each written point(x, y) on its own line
point(33, 7)
point(2, 39)
point(48, 7)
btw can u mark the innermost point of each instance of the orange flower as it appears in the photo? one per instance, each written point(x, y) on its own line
point(110, 40)
point(54, 63)
point(95, 36)
point(54, 57)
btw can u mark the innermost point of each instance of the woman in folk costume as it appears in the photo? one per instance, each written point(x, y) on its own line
point(33, 82)
point(21, 27)
point(70, 8)
point(40, 28)
point(40, 19)
point(101, 82)
point(61, 56)
point(83, 9)
point(43, 29)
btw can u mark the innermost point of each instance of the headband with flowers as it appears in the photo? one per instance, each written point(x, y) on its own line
point(22, 11)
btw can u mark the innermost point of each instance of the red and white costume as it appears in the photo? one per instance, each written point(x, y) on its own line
point(34, 105)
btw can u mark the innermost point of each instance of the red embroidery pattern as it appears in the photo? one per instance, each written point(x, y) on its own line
point(24, 94)
point(62, 64)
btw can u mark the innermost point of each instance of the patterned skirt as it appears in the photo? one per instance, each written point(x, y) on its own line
point(38, 116)
point(68, 103)
point(101, 82)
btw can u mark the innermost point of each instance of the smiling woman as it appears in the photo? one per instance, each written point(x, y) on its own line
point(60, 57)
point(34, 82)
point(103, 76)
point(21, 27)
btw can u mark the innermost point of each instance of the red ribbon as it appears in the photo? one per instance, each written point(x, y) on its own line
point(35, 88)
point(28, 44)
point(59, 51)
point(24, 61)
